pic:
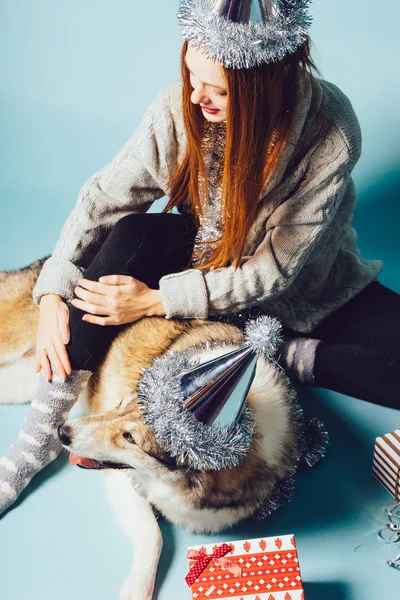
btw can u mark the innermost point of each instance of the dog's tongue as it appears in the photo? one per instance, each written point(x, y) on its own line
point(88, 463)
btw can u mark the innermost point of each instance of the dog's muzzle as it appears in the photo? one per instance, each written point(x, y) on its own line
point(65, 435)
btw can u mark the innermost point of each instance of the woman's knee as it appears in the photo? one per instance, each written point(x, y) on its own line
point(152, 226)
point(129, 223)
point(154, 221)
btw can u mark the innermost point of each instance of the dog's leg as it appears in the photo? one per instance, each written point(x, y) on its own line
point(139, 523)
point(18, 380)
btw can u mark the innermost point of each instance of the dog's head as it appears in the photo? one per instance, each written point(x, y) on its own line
point(117, 439)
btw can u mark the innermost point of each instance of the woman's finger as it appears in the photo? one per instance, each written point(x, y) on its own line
point(63, 323)
point(98, 320)
point(63, 356)
point(55, 361)
point(46, 365)
point(90, 297)
point(90, 308)
point(64, 333)
point(95, 286)
point(38, 364)
point(113, 280)
point(40, 352)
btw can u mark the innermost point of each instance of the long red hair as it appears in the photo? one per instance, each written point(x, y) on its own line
point(263, 100)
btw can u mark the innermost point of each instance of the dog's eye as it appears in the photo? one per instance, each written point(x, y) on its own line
point(128, 436)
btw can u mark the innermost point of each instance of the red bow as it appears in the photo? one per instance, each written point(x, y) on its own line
point(203, 559)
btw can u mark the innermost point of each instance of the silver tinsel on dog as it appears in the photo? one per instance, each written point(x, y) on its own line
point(313, 442)
point(264, 336)
point(211, 27)
point(203, 446)
point(177, 429)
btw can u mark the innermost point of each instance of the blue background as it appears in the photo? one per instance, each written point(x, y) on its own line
point(75, 79)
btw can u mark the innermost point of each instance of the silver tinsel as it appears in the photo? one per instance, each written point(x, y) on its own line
point(264, 336)
point(212, 220)
point(236, 44)
point(213, 148)
point(202, 446)
point(177, 429)
point(161, 401)
point(313, 441)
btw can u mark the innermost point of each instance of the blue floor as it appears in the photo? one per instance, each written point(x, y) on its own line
point(71, 95)
point(61, 540)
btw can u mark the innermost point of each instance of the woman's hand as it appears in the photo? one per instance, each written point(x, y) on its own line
point(53, 333)
point(116, 300)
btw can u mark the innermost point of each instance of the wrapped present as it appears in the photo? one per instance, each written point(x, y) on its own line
point(260, 569)
point(386, 465)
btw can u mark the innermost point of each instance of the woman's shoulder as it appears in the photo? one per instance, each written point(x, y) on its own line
point(165, 113)
point(336, 107)
point(168, 98)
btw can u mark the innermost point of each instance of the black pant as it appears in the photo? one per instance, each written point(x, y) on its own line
point(145, 246)
point(360, 355)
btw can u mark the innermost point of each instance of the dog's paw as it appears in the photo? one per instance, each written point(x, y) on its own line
point(133, 590)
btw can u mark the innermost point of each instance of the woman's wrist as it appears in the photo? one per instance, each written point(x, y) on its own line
point(155, 306)
point(50, 298)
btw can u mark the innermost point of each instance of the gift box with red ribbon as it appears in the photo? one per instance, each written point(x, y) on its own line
point(260, 569)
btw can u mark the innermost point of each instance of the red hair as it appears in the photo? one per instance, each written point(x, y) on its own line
point(264, 98)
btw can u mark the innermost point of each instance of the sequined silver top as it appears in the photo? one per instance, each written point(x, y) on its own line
point(213, 149)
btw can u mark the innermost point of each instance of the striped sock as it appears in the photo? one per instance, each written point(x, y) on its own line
point(297, 357)
point(38, 443)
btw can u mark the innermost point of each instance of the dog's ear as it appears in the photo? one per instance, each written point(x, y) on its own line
point(127, 399)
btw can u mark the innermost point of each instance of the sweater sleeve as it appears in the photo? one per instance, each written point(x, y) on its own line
point(137, 176)
point(291, 232)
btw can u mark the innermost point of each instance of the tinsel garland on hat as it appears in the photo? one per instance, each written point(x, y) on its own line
point(222, 29)
point(206, 447)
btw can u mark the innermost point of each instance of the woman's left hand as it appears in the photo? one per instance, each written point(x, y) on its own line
point(116, 299)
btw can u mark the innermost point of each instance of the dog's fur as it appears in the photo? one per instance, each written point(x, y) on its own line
point(197, 500)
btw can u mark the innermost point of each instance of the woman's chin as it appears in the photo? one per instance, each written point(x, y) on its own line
point(214, 118)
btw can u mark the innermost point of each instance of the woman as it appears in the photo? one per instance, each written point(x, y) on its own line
point(272, 147)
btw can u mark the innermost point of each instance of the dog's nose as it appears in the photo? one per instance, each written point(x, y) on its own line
point(65, 434)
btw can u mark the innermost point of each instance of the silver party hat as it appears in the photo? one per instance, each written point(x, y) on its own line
point(215, 391)
point(242, 11)
point(198, 412)
point(242, 33)
point(220, 401)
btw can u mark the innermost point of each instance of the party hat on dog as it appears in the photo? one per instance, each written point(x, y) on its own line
point(198, 411)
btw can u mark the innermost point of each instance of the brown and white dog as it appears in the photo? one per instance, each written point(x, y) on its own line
point(115, 435)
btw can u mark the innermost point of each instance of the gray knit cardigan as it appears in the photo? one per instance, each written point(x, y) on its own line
point(300, 261)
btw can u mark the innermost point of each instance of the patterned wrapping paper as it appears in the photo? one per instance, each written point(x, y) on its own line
point(386, 465)
point(270, 571)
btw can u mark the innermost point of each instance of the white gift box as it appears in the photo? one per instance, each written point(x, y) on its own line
point(386, 465)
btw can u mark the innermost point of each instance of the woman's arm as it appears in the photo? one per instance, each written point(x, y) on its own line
point(131, 182)
point(291, 233)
